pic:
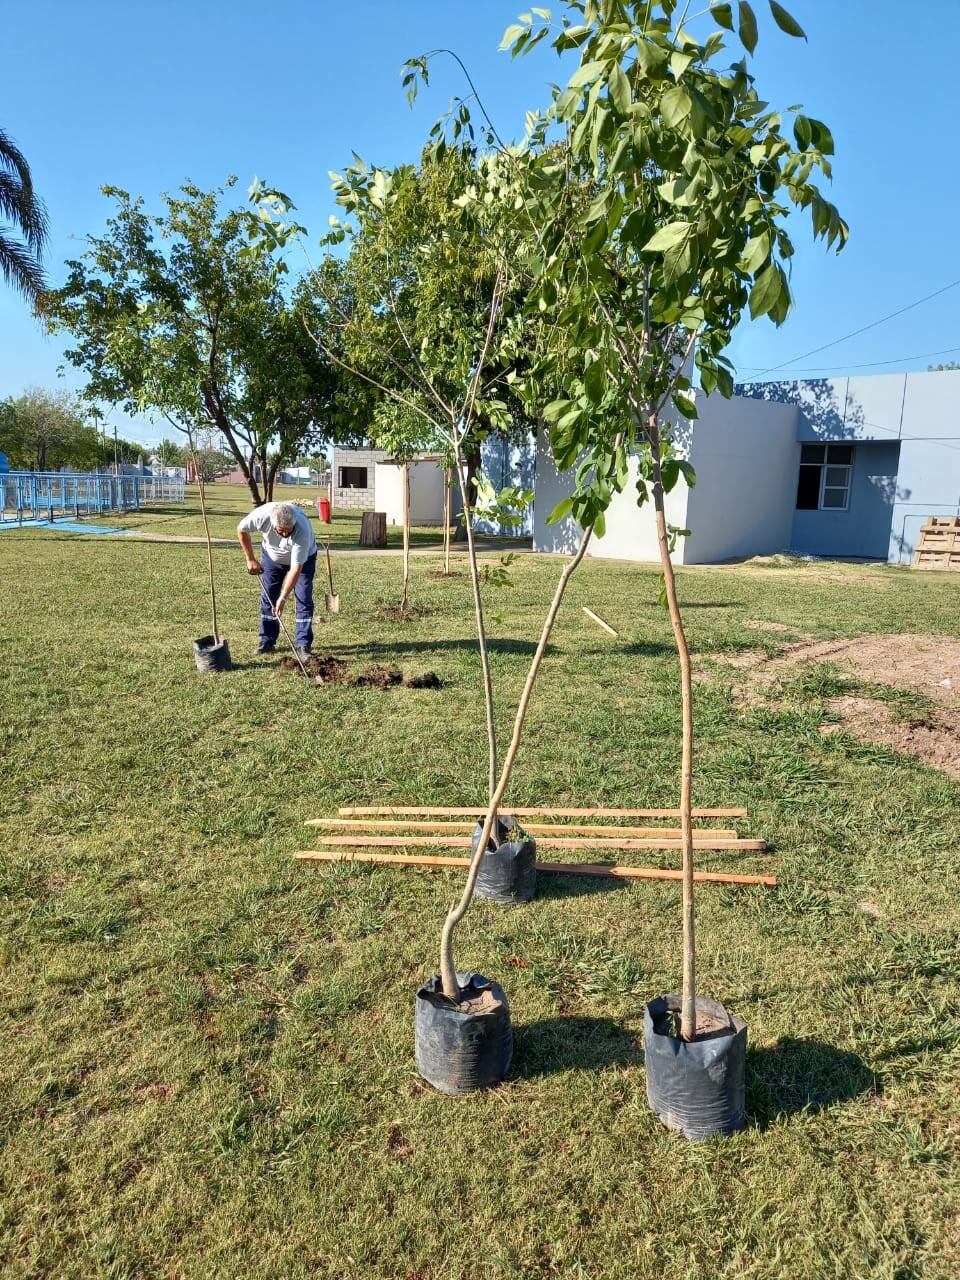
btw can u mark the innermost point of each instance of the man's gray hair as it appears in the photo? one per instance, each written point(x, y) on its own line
point(283, 516)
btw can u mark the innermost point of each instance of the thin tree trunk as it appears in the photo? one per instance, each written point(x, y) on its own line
point(688, 1012)
point(206, 530)
point(472, 461)
point(447, 487)
point(492, 753)
point(405, 504)
point(448, 972)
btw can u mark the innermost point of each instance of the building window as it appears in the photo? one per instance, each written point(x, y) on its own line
point(825, 471)
point(353, 478)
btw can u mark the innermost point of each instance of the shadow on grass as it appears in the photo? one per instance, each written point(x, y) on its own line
point(562, 1044)
point(556, 885)
point(376, 649)
point(793, 1076)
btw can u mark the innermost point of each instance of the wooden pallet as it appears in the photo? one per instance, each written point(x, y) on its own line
point(939, 545)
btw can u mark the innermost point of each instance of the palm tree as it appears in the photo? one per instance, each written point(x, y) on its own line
point(26, 214)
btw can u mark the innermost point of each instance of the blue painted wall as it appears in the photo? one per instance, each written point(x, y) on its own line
point(864, 528)
point(906, 429)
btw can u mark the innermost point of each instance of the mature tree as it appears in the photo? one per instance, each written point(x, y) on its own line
point(44, 431)
point(173, 453)
point(942, 368)
point(23, 238)
point(173, 313)
point(657, 222)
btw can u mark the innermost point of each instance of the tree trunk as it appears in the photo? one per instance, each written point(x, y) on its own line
point(206, 530)
point(472, 460)
point(448, 970)
point(269, 474)
point(688, 1014)
point(405, 503)
point(219, 419)
point(447, 495)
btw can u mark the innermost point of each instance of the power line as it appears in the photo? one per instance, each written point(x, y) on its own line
point(856, 332)
point(870, 364)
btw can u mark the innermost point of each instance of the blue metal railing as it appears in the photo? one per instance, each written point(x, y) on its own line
point(45, 495)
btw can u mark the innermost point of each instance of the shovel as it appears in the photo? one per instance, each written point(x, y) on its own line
point(332, 600)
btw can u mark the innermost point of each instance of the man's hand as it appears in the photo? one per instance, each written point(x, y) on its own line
point(254, 566)
point(278, 607)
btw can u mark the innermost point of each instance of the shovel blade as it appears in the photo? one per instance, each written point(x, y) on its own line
point(333, 604)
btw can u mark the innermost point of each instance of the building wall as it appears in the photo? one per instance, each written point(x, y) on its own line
point(864, 528)
point(630, 530)
point(355, 499)
point(921, 411)
point(507, 464)
point(426, 493)
point(745, 454)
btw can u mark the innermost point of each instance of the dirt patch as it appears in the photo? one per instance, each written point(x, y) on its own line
point(439, 573)
point(324, 668)
point(760, 624)
point(327, 669)
point(936, 744)
point(928, 663)
point(429, 680)
point(378, 677)
point(394, 612)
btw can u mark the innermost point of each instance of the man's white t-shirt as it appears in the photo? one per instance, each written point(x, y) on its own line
point(296, 549)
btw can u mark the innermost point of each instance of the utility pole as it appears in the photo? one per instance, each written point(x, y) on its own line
point(116, 458)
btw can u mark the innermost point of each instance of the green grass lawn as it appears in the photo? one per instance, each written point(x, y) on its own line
point(207, 1065)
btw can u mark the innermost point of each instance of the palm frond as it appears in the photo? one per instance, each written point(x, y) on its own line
point(21, 269)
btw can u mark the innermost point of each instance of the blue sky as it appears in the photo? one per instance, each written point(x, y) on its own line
point(147, 96)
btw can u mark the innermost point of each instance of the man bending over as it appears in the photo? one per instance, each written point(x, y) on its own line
point(289, 552)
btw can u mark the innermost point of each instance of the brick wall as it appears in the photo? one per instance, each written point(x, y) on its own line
point(355, 499)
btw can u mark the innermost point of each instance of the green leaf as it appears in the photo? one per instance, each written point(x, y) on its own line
point(675, 106)
point(785, 22)
point(723, 14)
point(748, 26)
point(600, 525)
point(821, 136)
point(585, 73)
point(560, 511)
point(765, 294)
point(511, 34)
point(688, 473)
point(668, 237)
point(756, 252)
point(669, 474)
point(619, 87)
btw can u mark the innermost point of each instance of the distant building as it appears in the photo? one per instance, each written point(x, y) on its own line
point(827, 467)
point(354, 473)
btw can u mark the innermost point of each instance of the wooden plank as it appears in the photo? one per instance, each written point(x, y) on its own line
point(473, 811)
point(603, 870)
point(551, 842)
point(599, 621)
point(437, 827)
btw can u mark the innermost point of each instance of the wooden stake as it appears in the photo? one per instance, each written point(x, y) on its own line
point(607, 871)
point(552, 842)
point(473, 811)
point(599, 621)
point(438, 827)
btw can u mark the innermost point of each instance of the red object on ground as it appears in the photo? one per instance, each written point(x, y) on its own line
point(323, 508)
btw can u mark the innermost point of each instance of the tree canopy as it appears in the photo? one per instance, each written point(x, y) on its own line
point(173, 313)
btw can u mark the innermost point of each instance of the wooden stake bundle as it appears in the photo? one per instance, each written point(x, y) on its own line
point(700, 841)
point(438, 827)
point(606, 871)
point(479, 811)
